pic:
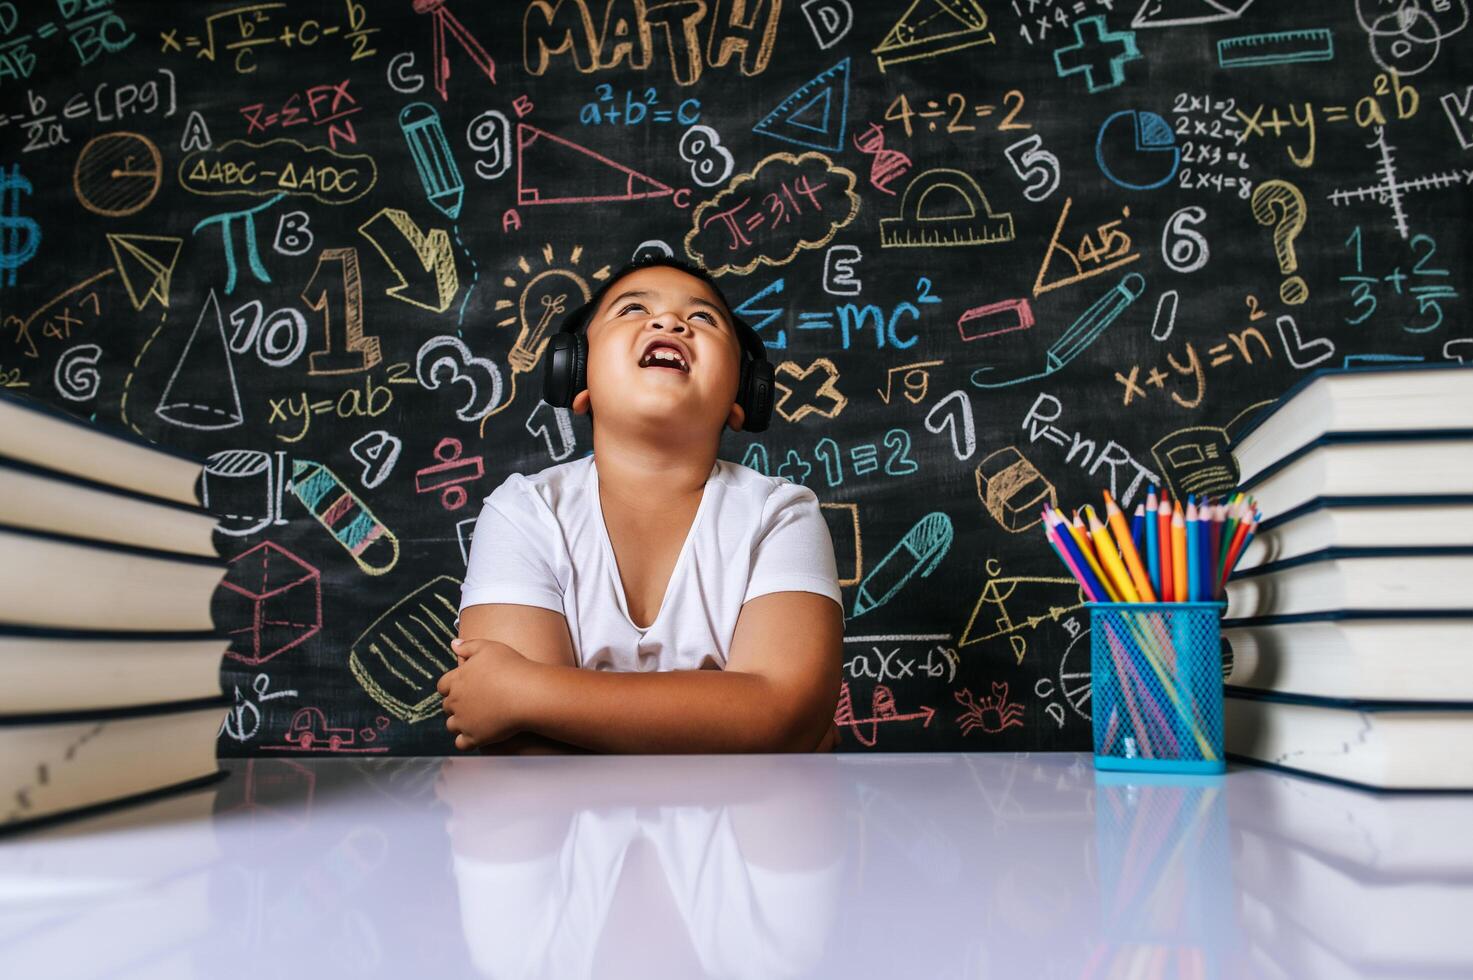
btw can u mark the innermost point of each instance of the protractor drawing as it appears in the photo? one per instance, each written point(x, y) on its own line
point(944, 208)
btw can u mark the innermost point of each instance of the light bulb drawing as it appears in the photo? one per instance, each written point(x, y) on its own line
point(543, 300)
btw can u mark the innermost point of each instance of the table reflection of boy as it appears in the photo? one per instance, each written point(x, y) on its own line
point(669, 867)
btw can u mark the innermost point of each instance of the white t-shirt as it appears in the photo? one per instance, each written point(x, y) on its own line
point(541, 541)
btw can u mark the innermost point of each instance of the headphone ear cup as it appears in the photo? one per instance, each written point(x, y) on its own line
point(580, 365)
point(566, 369)
point(757, 395)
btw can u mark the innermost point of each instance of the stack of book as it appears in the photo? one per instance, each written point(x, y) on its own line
point(109, 660)
point(1350, 618)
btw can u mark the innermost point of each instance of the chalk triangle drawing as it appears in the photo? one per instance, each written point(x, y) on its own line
point(1179, 13)
point(933, 27)
point(1061, 265)
point(808, 115)
point(202, 392)
point(814, 115)
point(148, 261)
point(554, 170)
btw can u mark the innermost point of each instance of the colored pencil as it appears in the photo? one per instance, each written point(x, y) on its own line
point(1123, 673)
point(1153, 556)
point(1241, 537)
point(1214, 540)
point(1235, 506)
point(1078, 566)
point(1194, 554)
point(1126, 542)
point(1168, 574)
point(1073, 565)
point(1183, 713)
point(1075, 527)
point(1179, 556)
point(1247, 538)
point(1209, 561)
point(1235, 550)
point(1138, 533)
point(1092, 558)
point(1125, 666)
point(1112, 728)
point(1048, 532)
point(1109, 557)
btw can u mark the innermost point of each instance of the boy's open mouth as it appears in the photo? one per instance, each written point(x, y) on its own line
point(663, 355)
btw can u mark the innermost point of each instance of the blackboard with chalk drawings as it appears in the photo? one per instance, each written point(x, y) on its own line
point(1001, 252)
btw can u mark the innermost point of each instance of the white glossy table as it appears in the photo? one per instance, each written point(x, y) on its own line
point(886, 865)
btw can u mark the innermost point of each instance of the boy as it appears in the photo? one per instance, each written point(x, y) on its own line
point(732, 572)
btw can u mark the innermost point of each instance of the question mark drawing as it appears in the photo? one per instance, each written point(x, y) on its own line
point(1280, 204)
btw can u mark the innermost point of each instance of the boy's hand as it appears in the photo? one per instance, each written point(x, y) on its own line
point(482, 695)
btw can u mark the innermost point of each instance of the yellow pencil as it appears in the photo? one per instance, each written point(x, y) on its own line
point(1179, 555)
point(1126, 544)
point(1076, 530)
point(1109, 557)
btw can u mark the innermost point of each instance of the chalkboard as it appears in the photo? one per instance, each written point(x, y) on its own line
point(1000, 251)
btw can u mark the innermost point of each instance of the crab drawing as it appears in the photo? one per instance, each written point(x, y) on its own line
point(992, 714)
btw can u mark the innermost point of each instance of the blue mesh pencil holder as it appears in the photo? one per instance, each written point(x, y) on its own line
point(1156, 677)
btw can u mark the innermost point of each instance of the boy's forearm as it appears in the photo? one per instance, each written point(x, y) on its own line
point(675, 711)
point(530, 743)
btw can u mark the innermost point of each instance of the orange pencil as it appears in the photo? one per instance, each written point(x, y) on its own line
point(1168, 578)
point(1178, 555)
point(1076, 530)
point(1109, 557)
point(1126, 544)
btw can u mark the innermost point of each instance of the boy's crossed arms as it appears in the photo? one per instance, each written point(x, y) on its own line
point(517, 689)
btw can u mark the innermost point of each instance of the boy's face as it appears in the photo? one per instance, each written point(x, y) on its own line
point(663, 303)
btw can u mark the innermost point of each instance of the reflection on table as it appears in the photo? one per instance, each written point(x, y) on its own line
point(939, 865)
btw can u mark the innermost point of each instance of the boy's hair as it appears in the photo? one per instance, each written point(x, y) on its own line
point(650, 261)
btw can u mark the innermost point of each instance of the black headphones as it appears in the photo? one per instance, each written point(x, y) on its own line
point(566, 368)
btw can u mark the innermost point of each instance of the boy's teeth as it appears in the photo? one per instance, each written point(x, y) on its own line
point(665, 354)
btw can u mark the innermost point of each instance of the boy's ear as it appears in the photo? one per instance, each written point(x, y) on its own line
point(582, 403)
point(736, 418)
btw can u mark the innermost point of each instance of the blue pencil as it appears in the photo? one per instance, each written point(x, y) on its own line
point(1153, 556)
point(1204, 549)
point(1138, 528)
point(1194, 561)
point(1091, 583)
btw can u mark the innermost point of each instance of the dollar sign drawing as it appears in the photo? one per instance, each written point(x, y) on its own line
point(19, 236)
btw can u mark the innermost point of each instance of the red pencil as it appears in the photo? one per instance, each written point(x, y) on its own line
point(1233, 549)
point(1168, 583)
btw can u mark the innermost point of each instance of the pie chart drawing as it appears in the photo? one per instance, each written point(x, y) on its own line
point(1137, 150)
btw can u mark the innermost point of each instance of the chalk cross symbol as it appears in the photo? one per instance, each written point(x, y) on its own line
point(1092, 55)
